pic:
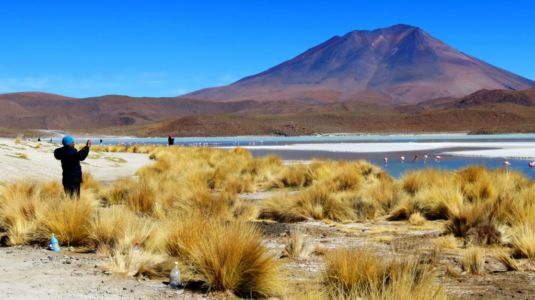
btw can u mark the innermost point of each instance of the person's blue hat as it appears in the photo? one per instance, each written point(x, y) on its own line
point(67, 140)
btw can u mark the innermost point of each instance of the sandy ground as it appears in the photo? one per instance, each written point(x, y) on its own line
point(33, 273)
point(36, 160)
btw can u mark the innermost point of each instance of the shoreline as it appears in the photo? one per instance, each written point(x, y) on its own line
point(35, 160)
point(58, 133)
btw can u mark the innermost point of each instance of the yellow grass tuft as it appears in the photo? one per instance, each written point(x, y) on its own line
point(20, 202)
point(119, 191)
point(523, 240)
point(297, 246)
point(294, 176)
point(142, 198)
point(445, 242)
point(118, 227)
point(316, 203)
point(417, 219)
point(505, 258)
point(230, 256)
point(133, 261)
point(349, 271)
point(354, 274)
point(473, 260)
point(69, 219)
point(89, 182)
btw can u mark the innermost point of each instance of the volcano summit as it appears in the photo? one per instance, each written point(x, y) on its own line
point(398, 64)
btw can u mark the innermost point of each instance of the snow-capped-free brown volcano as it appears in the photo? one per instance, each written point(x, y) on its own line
point(402, 64)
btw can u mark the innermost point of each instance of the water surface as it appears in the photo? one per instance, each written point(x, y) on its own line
point(395, 166)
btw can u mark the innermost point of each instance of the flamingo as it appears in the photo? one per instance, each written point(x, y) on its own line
point(506, 163)
point(531, 164)
point(402, 158)
point(425, 156)
point(438, 157)
point(386, 160)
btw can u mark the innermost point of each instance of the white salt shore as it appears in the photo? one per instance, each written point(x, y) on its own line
point(33, 160)
point(521, 150)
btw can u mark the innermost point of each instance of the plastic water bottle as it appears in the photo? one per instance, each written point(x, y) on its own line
point(54, 243)
point(174, 277)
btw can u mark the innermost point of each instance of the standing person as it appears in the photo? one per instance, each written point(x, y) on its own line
point(170, 141)
point(70, 163)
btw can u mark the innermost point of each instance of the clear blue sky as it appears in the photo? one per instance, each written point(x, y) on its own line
point(167, 48)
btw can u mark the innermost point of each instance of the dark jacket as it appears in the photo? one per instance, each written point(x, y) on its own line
point(70, 163)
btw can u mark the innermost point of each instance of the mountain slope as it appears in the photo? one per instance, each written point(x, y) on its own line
point(400, 64)
point(48, 111)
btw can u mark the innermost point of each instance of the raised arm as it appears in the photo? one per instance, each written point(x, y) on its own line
point(82, 154)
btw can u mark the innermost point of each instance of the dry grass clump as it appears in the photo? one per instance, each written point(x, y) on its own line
point(523, 239)
point(89, 182)
point(68, 219)
point(18, 205)
point(133, 261)
point(473, 260)
point(20, 202)
point(281, 209)
point(354, 274)
point(228, 256)
point(142, 198)
point(351, 271)
point(117, 227)
point(315, 203)
point(181, 235)
point(340, 191)
point(119, 191)
point(417, 219)
point(344, 176)
point(297, 246)
point(505, 258)
point(384, 192)
point(414, 181)
point(445, 242)
point(434, 201)
point(294, 176)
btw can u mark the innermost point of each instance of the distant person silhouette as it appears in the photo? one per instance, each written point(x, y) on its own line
point(170, 141)
point(70, 163)
point(101, 141)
